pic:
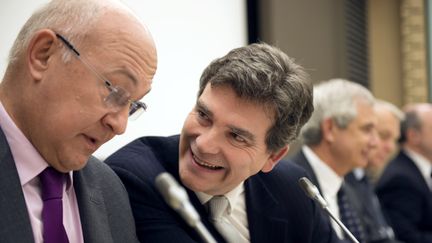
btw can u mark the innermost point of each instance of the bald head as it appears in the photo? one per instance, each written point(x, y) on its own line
point(74, 19)
point(70, 63)
point(416, 129)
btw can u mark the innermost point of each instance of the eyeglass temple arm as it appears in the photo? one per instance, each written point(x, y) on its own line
point(69, 45)
point(72, 48)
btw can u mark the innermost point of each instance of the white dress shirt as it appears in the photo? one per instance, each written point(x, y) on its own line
point(329, 183)
point(235, 214)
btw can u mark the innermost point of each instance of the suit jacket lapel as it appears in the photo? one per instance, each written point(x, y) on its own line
point(263, 225)
point(300, 159)
point(93, 214)
point(14, 223)
point(410, 164)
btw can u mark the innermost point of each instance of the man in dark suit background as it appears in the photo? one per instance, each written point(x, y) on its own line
point(388, 130)
point(251, 104)
point(338, 138)
point(62, 96)
point(404, 188)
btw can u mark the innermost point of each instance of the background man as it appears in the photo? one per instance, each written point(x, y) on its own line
point(251, 104)
point(388, 118)
point(388, 128)
point(338, 138)
point(74, 76)
point(404, 188)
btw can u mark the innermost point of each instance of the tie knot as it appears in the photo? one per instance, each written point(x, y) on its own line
point(52, 183)
point(217, 206)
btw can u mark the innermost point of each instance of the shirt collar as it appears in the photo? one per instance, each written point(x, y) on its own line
point(359, 173)
point(329, 181)
point(28, 161)
point(232, 196)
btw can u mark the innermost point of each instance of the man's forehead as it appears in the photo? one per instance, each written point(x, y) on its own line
point(204, 102)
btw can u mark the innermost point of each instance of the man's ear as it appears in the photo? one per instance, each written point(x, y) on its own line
point(328, 128)
point(39, 51)
point(413, 136)
point(274, 158)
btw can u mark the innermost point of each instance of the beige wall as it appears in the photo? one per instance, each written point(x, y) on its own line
point(398, 52)
point(385, 57)
point(308, 30)
point(313, 33)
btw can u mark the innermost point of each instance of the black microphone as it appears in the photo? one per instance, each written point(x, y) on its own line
point(176, 197)
point(312, 191)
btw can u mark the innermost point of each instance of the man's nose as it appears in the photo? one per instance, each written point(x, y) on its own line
point(208, 141)
point(116, 120)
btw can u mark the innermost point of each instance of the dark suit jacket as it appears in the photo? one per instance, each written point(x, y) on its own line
point(406, 200)
point(102, 200)
point(277, 209)
point(376, 229)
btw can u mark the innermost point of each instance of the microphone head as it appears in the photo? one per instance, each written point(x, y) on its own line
point(308, 187)
point(176, 197)
point(312, 191)
point(171, 191)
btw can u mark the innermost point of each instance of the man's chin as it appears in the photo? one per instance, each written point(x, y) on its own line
point(74, 165)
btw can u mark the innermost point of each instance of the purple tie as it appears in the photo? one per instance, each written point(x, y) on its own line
point(52, 212)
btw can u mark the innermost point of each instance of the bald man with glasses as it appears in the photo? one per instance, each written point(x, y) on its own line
point(74, 78)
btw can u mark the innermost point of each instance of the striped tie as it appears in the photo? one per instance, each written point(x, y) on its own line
point(349, 216)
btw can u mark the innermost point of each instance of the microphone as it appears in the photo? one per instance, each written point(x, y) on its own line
point(312, 191)
point(176, 197)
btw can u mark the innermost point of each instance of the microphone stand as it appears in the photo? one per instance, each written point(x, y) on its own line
point(312, 192)
point(343, 227)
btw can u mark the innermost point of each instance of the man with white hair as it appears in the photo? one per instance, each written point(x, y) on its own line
point(77, 71)
point(388, 127)
point(388, 118)
point(338, 138)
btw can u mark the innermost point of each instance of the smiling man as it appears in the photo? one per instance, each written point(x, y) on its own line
point(220, 149)
point(251, 104)
point(388, 128)
point(74, 76)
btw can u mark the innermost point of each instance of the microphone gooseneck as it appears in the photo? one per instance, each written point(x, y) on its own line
point(312, 191)
point(176, 197)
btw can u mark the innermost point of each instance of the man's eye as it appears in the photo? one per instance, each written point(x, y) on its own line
point(238, 138)
point(384, 135)
point(119, 96)
point(202, 115)
point(203, 118)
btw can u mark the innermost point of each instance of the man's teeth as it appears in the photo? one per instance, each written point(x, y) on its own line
point(202, 163)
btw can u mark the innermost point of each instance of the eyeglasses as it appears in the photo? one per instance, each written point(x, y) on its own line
point(117, 97)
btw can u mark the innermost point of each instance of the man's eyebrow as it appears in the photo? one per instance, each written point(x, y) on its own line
point(244, 133)
point(240, 131)
point(129, 75)
point(201, 106)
